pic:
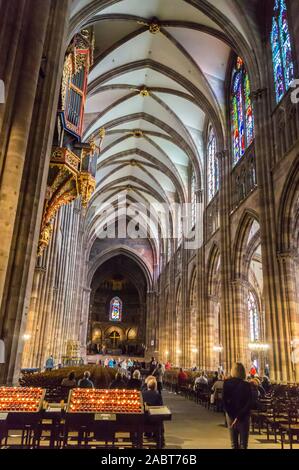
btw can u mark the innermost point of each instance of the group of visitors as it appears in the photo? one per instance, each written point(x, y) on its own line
point(70, 381)
point(128, 378)
point(239, 393)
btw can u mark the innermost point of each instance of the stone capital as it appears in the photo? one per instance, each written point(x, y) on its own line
point(258, 94)
point(222, 155)
point(40, 269)
point(287, 255)
point(238, 282)
point(199, 192)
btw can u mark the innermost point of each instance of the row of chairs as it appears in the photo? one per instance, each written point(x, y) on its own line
point(200, 394)
point(278, 417)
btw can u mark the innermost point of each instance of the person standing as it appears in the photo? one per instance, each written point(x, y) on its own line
point(237, 404)
point(49, 364)
point(158, 373)
point(253, 371)
point(152, 366)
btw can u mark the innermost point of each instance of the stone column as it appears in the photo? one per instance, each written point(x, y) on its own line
point(27, 124)
point(291, 305)
point(32, 317)
point(185, 333)
point(210, 342)
point(276, 318)
point(201, 278)
point(84, 320)
point(229, 345)
point(240, 321)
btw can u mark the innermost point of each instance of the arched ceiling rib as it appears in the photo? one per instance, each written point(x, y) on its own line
point(154, 138)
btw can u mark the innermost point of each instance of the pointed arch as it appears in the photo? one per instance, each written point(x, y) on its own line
point(213, 265)
point(239, 246)
point(288, 213)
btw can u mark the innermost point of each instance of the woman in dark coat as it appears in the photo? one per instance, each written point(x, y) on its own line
point(237, 403)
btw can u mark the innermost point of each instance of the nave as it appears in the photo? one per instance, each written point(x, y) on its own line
point(149, 208)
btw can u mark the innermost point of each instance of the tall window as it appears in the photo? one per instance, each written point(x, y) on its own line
point(115, 309)
point(193, 200)
point(241, 110)
point(283, 65)
point(213, 167)
point(253, 317)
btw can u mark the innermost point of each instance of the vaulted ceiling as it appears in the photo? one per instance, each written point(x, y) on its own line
point(158, 79)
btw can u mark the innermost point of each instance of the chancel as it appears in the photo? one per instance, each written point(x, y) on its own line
point(149, 215)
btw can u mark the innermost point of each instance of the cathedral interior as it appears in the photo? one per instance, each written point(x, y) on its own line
point(149, 189)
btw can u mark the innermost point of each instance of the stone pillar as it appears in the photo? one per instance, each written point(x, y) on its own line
point(16, 134)
point(26, 126)
point(276, 318)
point(151, 324)
point(32, 317)
point(229, 346)
point(185, 312)
point(84, 320)
point(211, 358)
point(240, 321)
point(201, 306)
point(291, 306)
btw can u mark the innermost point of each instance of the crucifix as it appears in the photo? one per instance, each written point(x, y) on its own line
point(114, 337)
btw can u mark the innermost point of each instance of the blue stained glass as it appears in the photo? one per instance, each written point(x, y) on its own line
point(241, 111)
point(115, 309)
point(283, 66)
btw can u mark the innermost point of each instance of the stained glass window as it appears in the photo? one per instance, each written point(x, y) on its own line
point(213, 167)
point(115, 309)
point(241, 111)
point(253, 317)
point(283, 65)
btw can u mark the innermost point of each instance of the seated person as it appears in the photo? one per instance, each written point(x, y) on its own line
point(151, 396)
point(135, 382)
point(70, 381)
point(217, 390)
point(118, 383)
point(266, 384)
point(148, 378)
point(201, 382)
point(86, 382)
point(182, 380)
point(218, 385)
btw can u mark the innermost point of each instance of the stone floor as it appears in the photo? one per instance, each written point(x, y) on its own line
point(195, 427)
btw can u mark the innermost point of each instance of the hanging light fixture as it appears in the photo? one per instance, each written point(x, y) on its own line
point(258, 346)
